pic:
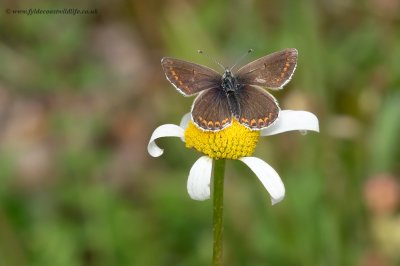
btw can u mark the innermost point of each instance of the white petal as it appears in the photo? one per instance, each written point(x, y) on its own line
point(185, 120)
point(167, 130)
point(289, 120)
point(268, 177)
point(198, 184)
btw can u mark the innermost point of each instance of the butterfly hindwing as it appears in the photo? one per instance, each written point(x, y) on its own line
point(189, 78)
point(258, 108)
point(272, 71)
point(210, 110)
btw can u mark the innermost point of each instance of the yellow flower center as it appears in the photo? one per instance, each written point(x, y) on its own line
point(233, 142)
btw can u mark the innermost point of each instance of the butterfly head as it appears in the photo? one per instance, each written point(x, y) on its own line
point(227, 73)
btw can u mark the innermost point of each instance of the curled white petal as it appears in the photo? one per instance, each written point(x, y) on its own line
point(167, 130)
point(268, 177)
point(185, 120)
point(292, 120)
point(198, 184)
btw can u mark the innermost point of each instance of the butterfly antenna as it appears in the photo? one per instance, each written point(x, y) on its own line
point(241, 58)
point(212, 59)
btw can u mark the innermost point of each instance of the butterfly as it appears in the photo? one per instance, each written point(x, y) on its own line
point(240, 95)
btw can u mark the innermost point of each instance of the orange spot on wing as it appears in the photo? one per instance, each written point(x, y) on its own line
point(244, 120)
point(174, 75)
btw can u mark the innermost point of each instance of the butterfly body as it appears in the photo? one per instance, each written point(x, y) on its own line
point(231, 87)
point(240, 95)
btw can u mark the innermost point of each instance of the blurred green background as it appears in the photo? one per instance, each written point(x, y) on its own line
point(81, 94)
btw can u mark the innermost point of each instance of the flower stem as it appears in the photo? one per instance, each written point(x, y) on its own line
point(218, 201)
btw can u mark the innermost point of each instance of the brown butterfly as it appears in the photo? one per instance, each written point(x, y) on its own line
point(241, 95)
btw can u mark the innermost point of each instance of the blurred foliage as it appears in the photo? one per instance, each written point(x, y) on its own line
point(80, 96)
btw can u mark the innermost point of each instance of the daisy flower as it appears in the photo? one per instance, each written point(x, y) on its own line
point(235, 142)
point(229, 115)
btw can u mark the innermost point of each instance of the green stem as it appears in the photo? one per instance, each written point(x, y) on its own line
point(218, 202)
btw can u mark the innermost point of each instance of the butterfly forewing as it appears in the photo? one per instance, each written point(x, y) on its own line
point(259, 109)
point(189, 78)
point(211, 111)
point(272, 71)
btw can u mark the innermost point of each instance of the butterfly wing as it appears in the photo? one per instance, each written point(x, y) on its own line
point(210, 110)
point(272, 71)
point(258, 108)
point(189, 78)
